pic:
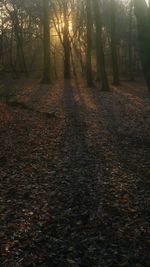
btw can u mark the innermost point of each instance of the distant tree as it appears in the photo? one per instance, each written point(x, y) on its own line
point(89, 25)
point(46, 42)
point(66, 41)
point(114, 43)
point(101, 69)
point(15, 13)
point(131, 65)
point(44, 37)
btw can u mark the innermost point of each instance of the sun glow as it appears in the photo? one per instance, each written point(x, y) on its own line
point(57, 29)
point(60, 26)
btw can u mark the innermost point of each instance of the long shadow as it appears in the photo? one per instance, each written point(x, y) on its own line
point(79, 219)
point(77, 190)
point(83, 226)
point(122, 185)
point(75, 140)
point(122, 141)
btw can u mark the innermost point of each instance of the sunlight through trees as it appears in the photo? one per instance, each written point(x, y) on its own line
point(94, 39)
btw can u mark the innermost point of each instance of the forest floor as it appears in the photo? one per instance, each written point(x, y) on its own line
point(74, 175)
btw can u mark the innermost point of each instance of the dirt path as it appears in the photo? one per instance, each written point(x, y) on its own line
point(74, 188)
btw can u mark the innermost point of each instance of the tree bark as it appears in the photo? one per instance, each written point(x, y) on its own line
point(46, 43)
point(131, 67)
point(101, 68)
point(66, 44)
point(89, 75)
point(114, 44)
point(143, 24)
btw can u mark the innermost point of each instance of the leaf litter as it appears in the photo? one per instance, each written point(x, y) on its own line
point(74, 188)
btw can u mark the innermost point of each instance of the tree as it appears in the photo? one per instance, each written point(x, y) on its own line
point(44, 37)
point(89, 43)
point(131, 67)
point(143, 23)
point(114, 44)
point(46, 43)
point(66, 42)
point(101, 69)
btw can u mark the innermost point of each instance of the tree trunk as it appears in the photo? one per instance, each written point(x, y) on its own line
point(66, 44)
point(46, 43)
point(101, 69)
point(113, 44)
point(143, 23)
point(89, 44)
point(131, 67)
point(19, 39)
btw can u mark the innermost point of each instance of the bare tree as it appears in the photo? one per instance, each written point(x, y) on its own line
point(46, 42)
point(101, 68)
point(89, 26)
point(114, 44)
